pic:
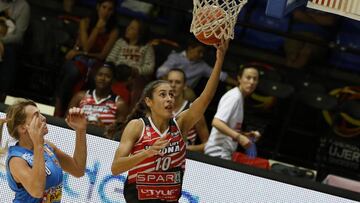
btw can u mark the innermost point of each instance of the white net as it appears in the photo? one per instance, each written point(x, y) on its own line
point(215, 18)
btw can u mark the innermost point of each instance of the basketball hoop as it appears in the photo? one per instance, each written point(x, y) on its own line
point(215, 19)
point(348, 8)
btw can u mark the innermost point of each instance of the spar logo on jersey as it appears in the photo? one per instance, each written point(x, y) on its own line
point(158, 178)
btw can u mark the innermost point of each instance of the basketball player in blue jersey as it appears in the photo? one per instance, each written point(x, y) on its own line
point(152, 146)
point(35, 166)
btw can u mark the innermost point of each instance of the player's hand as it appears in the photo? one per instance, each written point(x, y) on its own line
point(244, 141)
point(254, 134)
point(156, 148)
point(36, 130)
point(76, 119)
point(101, 23)
point(221, 48)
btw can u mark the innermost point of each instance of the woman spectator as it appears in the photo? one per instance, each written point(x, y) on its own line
point(132, 50)
point(100, 105)
point(226, 132)
point(97, 34)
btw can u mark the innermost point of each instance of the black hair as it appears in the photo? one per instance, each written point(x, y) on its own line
point(143, 32)
point(193, 43)
point(180, 71)
point(122, 72)
point(246, 66)
point(141, 109)
point(110, 24)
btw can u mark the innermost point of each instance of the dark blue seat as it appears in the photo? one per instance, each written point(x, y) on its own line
point(263, 39)
point(347, 60)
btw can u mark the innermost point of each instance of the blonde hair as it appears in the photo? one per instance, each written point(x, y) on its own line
point(15, 116)
point(3, 150)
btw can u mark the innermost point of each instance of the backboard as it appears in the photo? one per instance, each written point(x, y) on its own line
point(347, 8)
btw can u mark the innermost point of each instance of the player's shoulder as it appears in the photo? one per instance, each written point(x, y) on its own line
point(135, 124)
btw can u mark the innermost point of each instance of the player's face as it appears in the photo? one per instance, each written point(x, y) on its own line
point(31, 112)
point(177, 82)
point(248, 81)
point(103, 78)
point(195, 53)
point(162, 102)
point(132, 30)
point(105, 10)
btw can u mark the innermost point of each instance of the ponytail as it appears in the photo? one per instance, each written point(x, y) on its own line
point(114, 131)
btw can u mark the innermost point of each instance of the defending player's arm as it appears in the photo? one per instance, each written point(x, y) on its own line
point(76, 164)
point(122, 161)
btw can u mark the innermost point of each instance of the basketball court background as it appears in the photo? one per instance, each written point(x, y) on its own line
point(202, 182)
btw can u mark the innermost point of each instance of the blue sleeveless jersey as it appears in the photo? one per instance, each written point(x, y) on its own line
point(54, 176)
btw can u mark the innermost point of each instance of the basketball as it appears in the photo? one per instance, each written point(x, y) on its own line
point(211, 18)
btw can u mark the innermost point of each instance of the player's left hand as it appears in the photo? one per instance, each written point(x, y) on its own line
point(76, 119)
point(255, 134)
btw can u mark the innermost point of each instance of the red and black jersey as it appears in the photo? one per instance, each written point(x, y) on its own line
point(157, 177)
point(103, 110)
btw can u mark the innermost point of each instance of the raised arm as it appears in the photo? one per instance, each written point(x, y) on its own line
point(32, 179)
point(86, 40)
point(114, 34)
point(76, 164)
point(188, 118)
point(122, 161)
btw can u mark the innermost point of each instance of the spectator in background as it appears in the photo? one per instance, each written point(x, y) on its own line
point(68, 5)
point(119, 87)
point(199, 133)
point(122, 74)
point(97, 34)
point(100, 105)
point(7, 27)
point(134, 51)
point(316, 25)
point(19, 12)
point(192, 63)
point(226, 131)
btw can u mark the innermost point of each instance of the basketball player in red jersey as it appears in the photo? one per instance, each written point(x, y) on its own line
point(152, 146)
